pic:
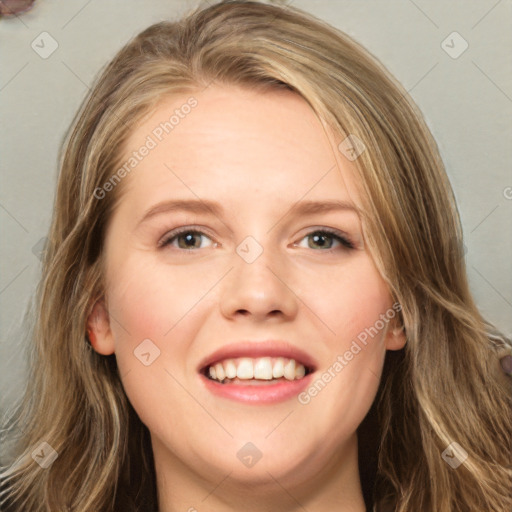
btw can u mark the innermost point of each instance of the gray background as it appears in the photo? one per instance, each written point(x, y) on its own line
point(467, 102)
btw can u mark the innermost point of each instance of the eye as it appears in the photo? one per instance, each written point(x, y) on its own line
point(187, 239)
point(321, 237)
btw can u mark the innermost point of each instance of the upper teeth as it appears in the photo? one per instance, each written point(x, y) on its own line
point(264, 368)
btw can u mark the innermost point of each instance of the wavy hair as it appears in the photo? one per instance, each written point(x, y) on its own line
point(445, 386)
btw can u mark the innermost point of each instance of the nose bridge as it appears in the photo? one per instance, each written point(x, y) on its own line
point(257, 283)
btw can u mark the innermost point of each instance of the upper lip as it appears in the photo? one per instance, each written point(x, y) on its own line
point(266, 348)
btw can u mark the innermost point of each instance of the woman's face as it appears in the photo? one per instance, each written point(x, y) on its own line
point(250, 286)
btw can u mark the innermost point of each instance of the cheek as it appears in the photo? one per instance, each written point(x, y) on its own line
point(156, 313)
point(150, 299)
point(353, 306)
point(348, 300)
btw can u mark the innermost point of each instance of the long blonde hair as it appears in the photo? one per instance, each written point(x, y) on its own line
point(445, 386)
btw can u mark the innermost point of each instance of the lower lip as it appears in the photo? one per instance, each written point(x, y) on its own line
point(255, 394)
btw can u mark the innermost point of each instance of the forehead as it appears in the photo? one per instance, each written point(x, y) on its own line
point(235, 141)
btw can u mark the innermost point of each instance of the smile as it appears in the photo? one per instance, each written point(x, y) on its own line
point(257, 372)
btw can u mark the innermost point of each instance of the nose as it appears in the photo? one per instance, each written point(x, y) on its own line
point(259, 290)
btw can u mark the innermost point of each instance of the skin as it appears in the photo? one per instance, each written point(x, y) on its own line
point(257, 154)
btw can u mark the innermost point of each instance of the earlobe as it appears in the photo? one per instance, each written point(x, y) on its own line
point(98, 329)
point(396, 338)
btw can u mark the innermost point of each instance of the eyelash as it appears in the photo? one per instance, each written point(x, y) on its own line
point(346, 244)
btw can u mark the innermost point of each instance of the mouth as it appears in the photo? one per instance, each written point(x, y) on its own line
point(257, 372)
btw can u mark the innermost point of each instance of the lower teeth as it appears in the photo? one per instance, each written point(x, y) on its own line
point(249, 381)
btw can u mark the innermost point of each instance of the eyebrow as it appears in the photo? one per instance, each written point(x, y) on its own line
point(205, 206)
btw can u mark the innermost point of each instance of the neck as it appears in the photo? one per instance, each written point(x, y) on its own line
point(336, 486)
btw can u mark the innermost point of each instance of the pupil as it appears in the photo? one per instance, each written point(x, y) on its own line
point(189, 238)
point(317, 237)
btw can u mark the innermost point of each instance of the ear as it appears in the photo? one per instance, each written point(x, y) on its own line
point(395, 337)
point(98, 329)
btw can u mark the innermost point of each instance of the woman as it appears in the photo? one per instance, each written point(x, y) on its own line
point(263, 370)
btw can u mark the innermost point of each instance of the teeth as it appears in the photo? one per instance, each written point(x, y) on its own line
point(230, 368)
point(278, 370)
point(263, 368)
point(289, 370)
point(300, 371)
point(245, 369)
point(219, 372)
